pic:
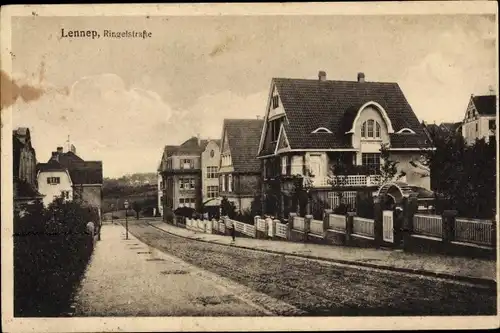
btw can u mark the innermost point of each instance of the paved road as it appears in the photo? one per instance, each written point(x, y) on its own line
point(321, 288)
point(129, 278)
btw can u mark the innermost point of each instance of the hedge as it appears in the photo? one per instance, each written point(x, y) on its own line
point(51, 252)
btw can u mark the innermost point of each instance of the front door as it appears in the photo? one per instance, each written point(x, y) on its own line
point(388, 226)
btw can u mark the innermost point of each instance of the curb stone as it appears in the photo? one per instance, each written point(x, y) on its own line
point(474, 280)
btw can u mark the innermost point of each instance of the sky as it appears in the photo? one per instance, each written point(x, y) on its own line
point(121, 101)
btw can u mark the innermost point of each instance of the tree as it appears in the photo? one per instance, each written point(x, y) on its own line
point(463, 177)
point(228, 208)
point(388, 167)
point(137, 207)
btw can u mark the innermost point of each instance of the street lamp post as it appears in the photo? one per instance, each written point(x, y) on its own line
point(126, 219)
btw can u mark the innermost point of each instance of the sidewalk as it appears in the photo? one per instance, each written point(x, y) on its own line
point(129, 278)
point(458, 268)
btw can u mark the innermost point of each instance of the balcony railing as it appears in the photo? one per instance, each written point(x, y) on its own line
point(351, 180)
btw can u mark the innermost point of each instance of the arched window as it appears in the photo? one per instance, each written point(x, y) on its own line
point(370, 129)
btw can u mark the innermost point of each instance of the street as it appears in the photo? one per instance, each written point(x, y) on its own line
point(318, 288)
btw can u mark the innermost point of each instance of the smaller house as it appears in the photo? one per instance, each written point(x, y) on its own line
point(480, 119)
point(239, 168)
point(68, 175)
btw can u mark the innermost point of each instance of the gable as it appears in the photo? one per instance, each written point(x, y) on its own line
point(225, 144)
point(283, 144)
point(275, 105)
point(471, 112)
point(272, 111)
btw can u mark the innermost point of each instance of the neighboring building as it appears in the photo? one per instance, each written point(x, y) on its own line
point(210, 158)
point(443, 130)
point(68, 175)
point(160, 191)
point(311, 125)
point(239, 168)
point(181, 175)
point(480, 119)
point(25, 185)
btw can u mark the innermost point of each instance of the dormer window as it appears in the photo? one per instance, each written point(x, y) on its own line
point(405, 131)
point(370, 129)
point(321, 130)
point(276, 101)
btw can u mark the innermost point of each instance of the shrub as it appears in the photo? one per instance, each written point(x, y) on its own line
point(246, 217)
point(365, 205)
point(341, 209)
point(318, 207)
point(185, 212)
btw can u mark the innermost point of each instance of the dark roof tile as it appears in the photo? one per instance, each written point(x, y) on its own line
point(243, 137)
point(485, 105)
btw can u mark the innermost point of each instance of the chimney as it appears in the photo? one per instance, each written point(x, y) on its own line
point(322, 76)
point(55, 156)
point(361, 77)
point(59, 150)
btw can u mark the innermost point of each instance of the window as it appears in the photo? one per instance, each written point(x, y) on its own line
point(212, 153)
point(187, 183)
point(187, 202)
point(275, 129)
point(230, 183)
point(212, 172)
point(477, 127)
point(223, 183)
point(372, 162)
point(212, 191)
point(186, 163)
point(53, 180)
point(491, 124)
point(297, 164)
point(284, 160)
point(370, 129)
point(65, 195)
point(226, 159)
point(276, 101)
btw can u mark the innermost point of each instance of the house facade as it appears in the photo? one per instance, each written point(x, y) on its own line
point(480, 119)
point(210, 158)
point(239, 168)
point(68, 176)
point(25, 184)
point(329, 134)
point(181, 175)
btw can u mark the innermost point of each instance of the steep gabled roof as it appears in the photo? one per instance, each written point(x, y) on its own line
point(51, 165)
point(243, 136)
point(80, 171)
point(86, 172)
point(310, 104)
point(485, 105)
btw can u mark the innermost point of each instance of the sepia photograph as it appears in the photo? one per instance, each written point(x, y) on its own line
point(244, 166)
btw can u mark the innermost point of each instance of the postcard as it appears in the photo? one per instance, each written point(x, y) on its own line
point(249, 167)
